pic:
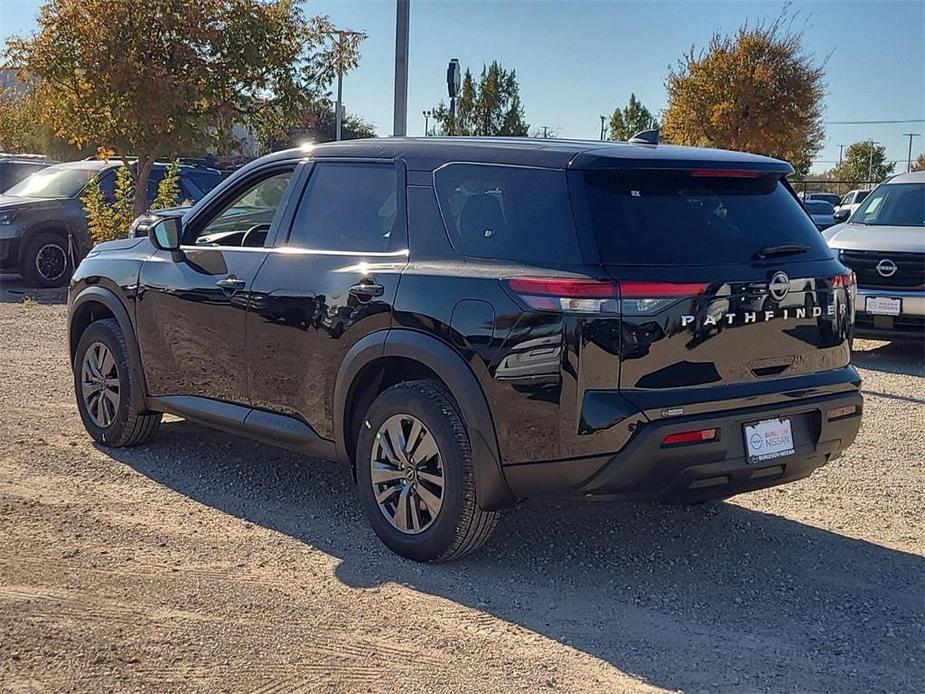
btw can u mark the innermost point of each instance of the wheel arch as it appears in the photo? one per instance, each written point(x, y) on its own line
point(386, 357)
point(98, 303)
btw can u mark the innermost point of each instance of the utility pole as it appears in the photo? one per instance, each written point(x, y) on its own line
point(841, 148)
point(426, 122)
point(402, 26)
point(909, 158)
point(339, 108)
point(870, 161)
point(603, 118)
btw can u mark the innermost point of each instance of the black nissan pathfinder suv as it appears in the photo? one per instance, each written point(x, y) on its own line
point(469, 322)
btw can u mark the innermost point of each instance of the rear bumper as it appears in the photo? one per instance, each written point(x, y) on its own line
point(645, 469)
point(910, 323)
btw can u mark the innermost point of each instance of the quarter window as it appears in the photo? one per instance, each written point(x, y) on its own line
point(348, 207)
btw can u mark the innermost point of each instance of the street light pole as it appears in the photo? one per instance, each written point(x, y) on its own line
point(909, 159)
point(603, 118)
point(426, 122)
point(841, 148)
point(402, 26)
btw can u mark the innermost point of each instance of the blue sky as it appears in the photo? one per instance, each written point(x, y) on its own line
point(578, 60)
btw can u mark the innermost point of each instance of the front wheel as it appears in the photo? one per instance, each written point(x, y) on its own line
point(415, 475)
point(45, 260)
point(104, 384)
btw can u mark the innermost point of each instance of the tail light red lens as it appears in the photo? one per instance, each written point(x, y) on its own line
point(847, 281)
point(566, 295)
point(688, 437)
point(596, 296)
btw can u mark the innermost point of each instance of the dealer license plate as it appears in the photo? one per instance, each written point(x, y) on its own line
point(883, 306)
point(768, 439)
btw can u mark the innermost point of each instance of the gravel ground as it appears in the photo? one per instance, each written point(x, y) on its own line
point(203, 562)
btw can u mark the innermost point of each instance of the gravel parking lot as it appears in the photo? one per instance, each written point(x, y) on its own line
point(206, 562)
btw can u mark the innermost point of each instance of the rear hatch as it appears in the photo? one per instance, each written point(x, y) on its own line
point(724, 279)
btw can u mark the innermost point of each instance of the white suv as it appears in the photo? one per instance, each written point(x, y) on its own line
point(884, 243)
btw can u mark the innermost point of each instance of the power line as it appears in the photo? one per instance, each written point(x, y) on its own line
point(874, 122)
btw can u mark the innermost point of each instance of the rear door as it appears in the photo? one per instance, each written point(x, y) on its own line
point(330, 279)
point(724, 279)
point(191, 308)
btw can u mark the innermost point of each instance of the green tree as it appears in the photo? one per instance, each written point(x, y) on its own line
point(491, 107)
point(168, 189)
point(161, 78)
point(754, 91)
point(919, 163)
point(21, 126)
point(863, 161)
point(631, 119)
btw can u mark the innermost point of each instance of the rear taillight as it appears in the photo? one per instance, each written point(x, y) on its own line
point(568, 295)
point(598, 296)
point(847, 281)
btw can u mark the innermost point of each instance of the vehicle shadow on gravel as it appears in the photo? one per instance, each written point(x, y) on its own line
point(14, 290)
point(715, 597)
point(900, 357)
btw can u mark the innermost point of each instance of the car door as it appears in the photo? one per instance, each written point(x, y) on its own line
point(191, 305)
point(330, 279)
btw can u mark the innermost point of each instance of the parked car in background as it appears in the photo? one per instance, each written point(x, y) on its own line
point(16, 167)
point(849, 203)
point(832, 198)
point(822, 213)
point(884, 243)
point(467, 322)
point(43, 226)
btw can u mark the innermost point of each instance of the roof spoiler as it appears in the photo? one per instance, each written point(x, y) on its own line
point(645, 137)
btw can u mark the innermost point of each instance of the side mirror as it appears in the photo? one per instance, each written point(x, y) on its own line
point(842, 215)
point(165, 234)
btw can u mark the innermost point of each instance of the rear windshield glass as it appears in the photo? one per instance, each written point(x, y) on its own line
point(893, 204)
point(508, 213)
point(674, 218)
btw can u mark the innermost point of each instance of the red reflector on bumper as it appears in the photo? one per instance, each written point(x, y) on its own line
point(690, 437)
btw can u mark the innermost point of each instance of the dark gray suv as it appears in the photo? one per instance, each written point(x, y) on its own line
point(43, 227)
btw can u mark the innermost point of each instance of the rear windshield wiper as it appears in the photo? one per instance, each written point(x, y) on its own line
point(782, 249)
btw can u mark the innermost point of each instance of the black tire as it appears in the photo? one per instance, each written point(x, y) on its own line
point(121, 425)
point(45, 260)
point(461, 526)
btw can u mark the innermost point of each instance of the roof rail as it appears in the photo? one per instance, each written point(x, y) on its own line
point(645, 137)
point(10, 155)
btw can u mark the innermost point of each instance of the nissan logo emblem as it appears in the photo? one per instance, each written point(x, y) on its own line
point(886, 268)
point(779, 286)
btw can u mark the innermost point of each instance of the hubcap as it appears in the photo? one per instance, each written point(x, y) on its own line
point(99, 381)
point(407, 474)
point(51, 261)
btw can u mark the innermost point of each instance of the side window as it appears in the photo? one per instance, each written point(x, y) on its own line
point(154, 180)
point(347, 207)
point(108, 185)
point(508, 212)
point(245, 220)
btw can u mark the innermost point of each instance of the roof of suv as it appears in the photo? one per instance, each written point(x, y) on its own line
point(908, 177)
point(429, 153)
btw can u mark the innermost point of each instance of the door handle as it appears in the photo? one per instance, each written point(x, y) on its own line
point(231, 283)
point(367, 289)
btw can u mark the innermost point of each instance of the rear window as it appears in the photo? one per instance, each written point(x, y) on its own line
point(819, 207)
point(508, 213)
point(651, 218)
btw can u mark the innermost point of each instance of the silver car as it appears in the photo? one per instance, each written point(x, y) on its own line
point(884, 243)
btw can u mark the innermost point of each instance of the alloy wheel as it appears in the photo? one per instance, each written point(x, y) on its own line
point(406, 469)
point(51, 261)
point(99, 381)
